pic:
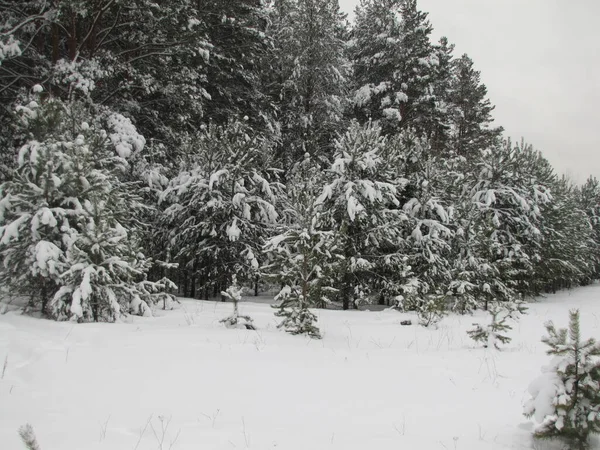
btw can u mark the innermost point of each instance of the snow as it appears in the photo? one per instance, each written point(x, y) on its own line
point(363, 95)
point(47, 255)
point(214, 178)
point(233, 231)
point(11, 231)
point(124, 136)
point(392, 114)
point(543, 390)
point(369, 383)
point(9, 48)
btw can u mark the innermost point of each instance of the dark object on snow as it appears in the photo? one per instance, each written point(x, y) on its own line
point(238, 321)
point(406, 322)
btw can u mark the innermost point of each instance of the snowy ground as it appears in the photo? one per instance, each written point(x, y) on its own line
point(183, 381)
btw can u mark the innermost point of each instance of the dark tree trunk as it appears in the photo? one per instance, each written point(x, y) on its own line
point(346, 290)
point(183, 282)
point(55, 43)
point(44, 298)
point(193, 286)
point(72, 41)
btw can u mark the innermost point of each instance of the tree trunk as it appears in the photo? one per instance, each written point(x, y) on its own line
point(193, 286)
point(55, 42)
point(183, 282)
point(44, 298)
point(346, 290)
point(73, 38)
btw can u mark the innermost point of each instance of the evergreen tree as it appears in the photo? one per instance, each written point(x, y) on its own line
point(220, 208)
point(429, 216)
point(496, 331)
point(310, 76)
point(440, 133)
point(470, 116)
point(236, 320)
point(589, 202)
point(567, 257)
point(566, 397)
point(236, 32)
point(395, 66)
point(509, 201)
point(303, 256)
point(358, 201)
point(69, 237)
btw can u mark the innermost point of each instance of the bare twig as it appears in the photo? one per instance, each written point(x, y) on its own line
point(69, 333)
point(402, 429)
point(245, 434)
point(213, 417)
point(142, 432)
point(172, 443)
point(103, 428)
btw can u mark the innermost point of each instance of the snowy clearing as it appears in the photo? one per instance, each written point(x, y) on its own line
point(183, 381)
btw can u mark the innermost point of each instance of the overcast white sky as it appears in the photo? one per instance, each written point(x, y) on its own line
point(540, 60)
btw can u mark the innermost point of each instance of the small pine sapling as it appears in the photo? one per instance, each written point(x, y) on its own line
point(565, 399)
point(431, 310)
point(297, 318)
point(234, 293)
point(496, 331)
point(304, 256)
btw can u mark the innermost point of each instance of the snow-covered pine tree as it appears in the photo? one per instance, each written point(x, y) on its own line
point(470, 111)
point(239, 45)
point(589, 202)
point(428, 222)
point(567, 257)
point(310, 76)
point(145, 60)
point(32, 213)
point(440, 132)
point(566, 397)
point(360, 205)
point(236, 320)
point(475, 282)
point(394, 66)
point(221, 206)
point(302, 255)
point(67, 221)
point(509, 199)
point(149, 54)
